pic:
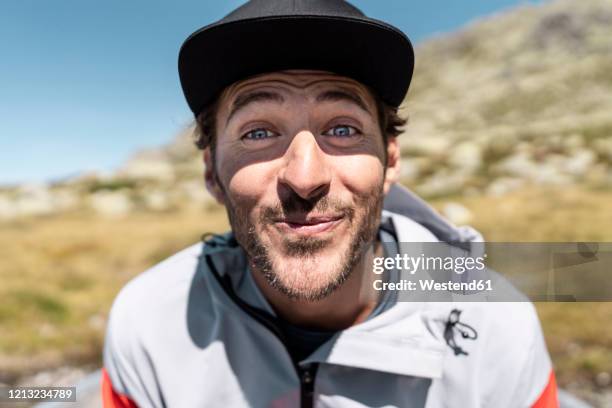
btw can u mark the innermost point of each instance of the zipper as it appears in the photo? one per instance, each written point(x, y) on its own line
point(305, 374)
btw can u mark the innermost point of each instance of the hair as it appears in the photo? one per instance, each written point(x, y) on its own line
point(389, 120)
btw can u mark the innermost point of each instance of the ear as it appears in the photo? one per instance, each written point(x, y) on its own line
point(211, 178)
point(392, 171)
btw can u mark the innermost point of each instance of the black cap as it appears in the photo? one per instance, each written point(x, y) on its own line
point(273, 35)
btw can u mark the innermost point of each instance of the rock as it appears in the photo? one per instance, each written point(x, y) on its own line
point(33, 199)
point(548, 174)
point(195, 192)
point(8, 210)
point(442, 183)
point(457, 213)
point(27, 206)
point(504, 185)
point(66, 199)
point(520, 165)
point(428, 146)
point(111, 203)
point(603, 379)
point(156, 200)
point(517, 165)
point(412, 168)
point(466, 156)
point(36, 200)
point(579, 162)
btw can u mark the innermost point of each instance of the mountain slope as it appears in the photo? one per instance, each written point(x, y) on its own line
point(521, 97)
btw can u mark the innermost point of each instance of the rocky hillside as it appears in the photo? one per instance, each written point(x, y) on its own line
point(523, 97)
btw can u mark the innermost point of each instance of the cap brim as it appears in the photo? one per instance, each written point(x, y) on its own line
point(369, 51)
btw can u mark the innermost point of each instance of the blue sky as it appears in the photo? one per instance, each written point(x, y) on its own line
point(85, 83)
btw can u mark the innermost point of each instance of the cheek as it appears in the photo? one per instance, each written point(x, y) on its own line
point(248, 185)
point(362, 174)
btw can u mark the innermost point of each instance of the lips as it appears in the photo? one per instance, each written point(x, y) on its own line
point(309, 225)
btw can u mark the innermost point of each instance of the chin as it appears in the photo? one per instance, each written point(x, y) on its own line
point(312, 277)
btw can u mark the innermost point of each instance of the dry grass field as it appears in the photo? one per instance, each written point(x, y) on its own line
point(60, 274)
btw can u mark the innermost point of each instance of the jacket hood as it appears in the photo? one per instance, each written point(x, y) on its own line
point(402, 201)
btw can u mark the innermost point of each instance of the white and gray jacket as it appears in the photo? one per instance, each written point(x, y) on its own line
point(186, 333)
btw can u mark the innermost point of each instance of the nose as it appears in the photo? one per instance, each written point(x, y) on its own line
point(306, 170)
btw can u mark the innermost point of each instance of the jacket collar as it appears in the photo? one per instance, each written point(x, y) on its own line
point(404, 202)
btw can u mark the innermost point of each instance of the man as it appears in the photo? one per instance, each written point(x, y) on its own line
point(296, 105)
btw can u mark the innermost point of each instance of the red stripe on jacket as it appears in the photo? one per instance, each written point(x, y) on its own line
point(111, 398)
point(548, 397)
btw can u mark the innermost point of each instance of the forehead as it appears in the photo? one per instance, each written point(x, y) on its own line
point(302, 82)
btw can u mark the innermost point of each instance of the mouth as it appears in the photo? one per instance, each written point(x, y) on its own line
point(310, 225)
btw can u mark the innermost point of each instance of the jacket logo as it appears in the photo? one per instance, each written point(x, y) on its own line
point(453, 325)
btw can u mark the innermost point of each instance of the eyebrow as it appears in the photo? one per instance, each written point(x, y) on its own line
point(250, 97)
point(265, 96)
point(343, 95)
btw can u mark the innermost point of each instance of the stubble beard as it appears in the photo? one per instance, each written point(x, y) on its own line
point(297, 269)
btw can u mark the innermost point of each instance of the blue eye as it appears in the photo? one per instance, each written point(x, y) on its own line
point(342, 131)
point(258, 134)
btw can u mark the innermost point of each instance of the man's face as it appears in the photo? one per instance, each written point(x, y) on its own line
point(300, 166)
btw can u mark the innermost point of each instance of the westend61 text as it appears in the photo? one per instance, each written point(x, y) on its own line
point(480, 285)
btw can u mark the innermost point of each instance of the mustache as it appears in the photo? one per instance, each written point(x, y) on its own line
point(293, 205)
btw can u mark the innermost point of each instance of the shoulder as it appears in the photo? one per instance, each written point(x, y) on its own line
point(511, 354)
point(158, 282)
point(158, 293)
point(146, 308)
point(150, 306)
point(510, 326)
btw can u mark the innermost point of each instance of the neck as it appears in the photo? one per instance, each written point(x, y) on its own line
point(350, 304)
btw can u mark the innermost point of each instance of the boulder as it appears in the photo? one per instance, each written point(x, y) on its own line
point(111, 203)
